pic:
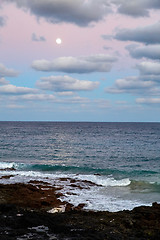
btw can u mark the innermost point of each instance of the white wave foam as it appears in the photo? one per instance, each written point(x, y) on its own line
point(109, 194)
point(96, 179)
point(97, 200)
point(105, 181)
point(5, 165)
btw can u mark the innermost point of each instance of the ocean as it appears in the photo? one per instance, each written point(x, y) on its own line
point(114, 166)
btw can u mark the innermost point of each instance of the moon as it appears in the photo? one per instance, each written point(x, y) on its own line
point(58, 40)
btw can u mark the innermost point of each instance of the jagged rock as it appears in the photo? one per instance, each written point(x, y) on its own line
point(23, 215)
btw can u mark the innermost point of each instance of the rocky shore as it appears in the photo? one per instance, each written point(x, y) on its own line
point(34, 211)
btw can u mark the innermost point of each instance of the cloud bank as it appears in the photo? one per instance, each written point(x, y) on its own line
point(132, 85)
point(149, 68)
point(148, 34)
point(65, 83)
point(14, 90)
point(137, 8)
point(95, 63)
point(8, 89)
point(79, 12)
point(149, 51)
point(147, 83)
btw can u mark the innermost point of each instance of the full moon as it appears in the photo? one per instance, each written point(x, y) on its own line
point(58, 41)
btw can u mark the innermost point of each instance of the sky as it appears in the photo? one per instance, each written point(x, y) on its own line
point(107, 67)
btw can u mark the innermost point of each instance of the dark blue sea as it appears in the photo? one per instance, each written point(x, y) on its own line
point(116, 166)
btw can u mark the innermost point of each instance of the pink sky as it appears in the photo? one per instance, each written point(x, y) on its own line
point(18, 51)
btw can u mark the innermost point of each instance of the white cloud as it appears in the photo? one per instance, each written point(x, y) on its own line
point(38, 97)
point(65, 83)
point(148, 100)
point(74, 100)
point(66, 93)
point(93, 63)
point(137, 8)
point(84, 12)
point(149, 68)
point(79, 12)
point(131, 85)
point(149, 51)
point(7, 72)
point(13, 90)
point(148, 34)
point(140, 85)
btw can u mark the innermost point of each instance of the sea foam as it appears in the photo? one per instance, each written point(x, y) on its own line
point(7, 165)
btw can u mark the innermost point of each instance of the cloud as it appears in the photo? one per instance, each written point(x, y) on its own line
point(147, 83)
point(38, 39)
point(94, 63)
point(14, 90)
point(3, 81)
point(102, 103)
point(148, 100)
point(74, 100)
point(14, 106)
point(153, 78)
point(65, 83)
point(150, 51)
point(51, 98)
point(2, 21)
point(137, 8)
point(148, 34)
point(86, 103)
point(84, 12)
point(107, 37)
point(149, 68)
point(79, 12)
point(36, 97)
point(7, 72)
point(130, 85)
point(66, 93)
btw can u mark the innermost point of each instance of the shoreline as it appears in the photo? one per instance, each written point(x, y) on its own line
point(34, 211)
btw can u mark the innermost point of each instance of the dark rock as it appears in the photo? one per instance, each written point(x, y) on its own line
point(23, 215)
point(7, 177)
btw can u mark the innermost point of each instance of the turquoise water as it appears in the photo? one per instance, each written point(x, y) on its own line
point(124, 158)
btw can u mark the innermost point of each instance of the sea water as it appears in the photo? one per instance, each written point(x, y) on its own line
point(121, 161)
